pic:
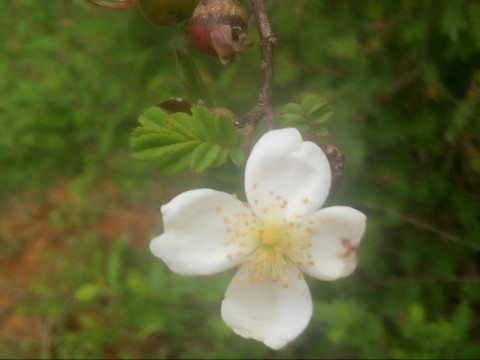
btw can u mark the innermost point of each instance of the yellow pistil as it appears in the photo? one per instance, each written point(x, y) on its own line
point(270, 236)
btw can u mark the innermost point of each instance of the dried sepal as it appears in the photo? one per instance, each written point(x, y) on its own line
point(114, 4)
point(175, 105)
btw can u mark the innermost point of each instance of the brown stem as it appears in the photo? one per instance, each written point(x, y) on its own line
point(267, 42)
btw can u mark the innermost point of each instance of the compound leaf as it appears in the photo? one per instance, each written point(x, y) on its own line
point(179, 140)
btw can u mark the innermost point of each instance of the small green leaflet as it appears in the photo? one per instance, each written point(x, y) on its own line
point(309, 115)
point(178, 141)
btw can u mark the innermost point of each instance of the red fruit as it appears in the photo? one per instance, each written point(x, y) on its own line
point(219, 28)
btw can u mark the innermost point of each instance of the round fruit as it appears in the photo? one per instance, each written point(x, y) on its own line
point(219, 28)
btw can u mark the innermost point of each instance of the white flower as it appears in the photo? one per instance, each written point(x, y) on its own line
point(273, 238)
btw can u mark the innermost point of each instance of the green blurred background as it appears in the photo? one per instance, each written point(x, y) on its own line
point(77, 213)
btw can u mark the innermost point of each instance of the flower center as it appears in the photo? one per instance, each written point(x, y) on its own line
point(277, 246)
point(270, 237)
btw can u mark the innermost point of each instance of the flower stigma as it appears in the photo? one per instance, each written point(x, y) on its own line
point(269, 236)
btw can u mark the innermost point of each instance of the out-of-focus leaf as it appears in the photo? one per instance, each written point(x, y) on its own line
point(293, 108)
point(191, 78)
point(87, 292)
point(321, 116)
point(308, 115)
point(237, 157)
point(312, 103)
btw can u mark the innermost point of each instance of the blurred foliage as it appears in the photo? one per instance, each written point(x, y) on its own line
point(403, 79)
point(308, 116)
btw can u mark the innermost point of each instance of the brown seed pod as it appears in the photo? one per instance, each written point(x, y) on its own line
point(336, 158)
point(219, 28)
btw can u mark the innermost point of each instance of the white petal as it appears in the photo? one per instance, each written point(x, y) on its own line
point(337, 232)
point(285, 174)
point(267, 312)
point(206, 231)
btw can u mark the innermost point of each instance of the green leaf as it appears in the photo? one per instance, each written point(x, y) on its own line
point(237, 156)
point(114, 266)
point(292, 108)
point(87, 292)
point(203, 156)
point(321, 131)
point(178, 140)
point(140, 131)
point(203, 122)
point(295, 119)
point(312, 103)
point(221, 158)
point(136, 283)
point(303, 128)
point(148, 147)
point(192, 79)
point(307, 116)
point(174, 161)
point(322, 117)
point(416, 314)
point(225, 131)
point(154, 118)
point(182, 123)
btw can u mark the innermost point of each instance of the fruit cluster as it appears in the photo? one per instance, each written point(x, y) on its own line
point(215, 27)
